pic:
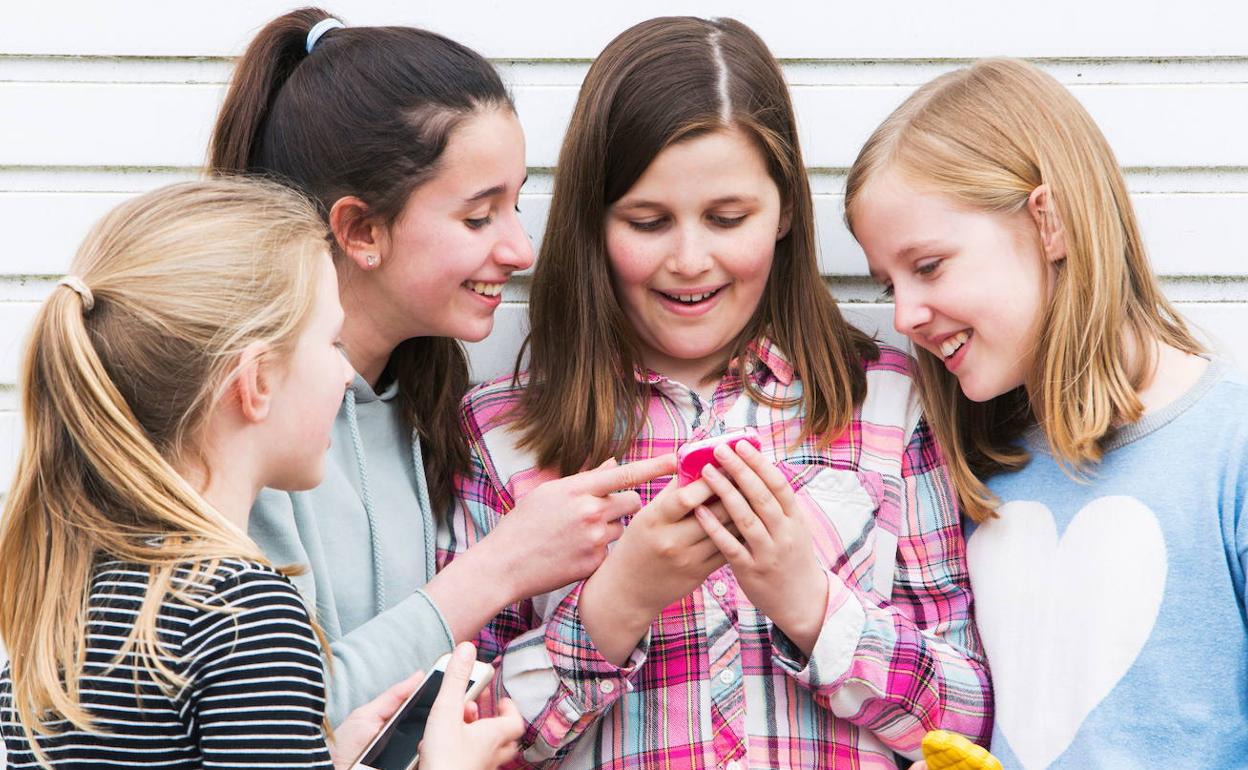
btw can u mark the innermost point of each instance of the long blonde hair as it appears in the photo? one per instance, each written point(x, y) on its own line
point(987, 136)
point(117, 384)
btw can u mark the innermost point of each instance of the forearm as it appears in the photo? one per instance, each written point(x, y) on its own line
point(613, 618)
point(387, 649)
point(474, 588)
point(874, 666)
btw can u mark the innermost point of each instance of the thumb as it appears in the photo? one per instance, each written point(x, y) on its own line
point(450, 700)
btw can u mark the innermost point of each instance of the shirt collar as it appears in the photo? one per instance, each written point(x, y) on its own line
point(763, 357)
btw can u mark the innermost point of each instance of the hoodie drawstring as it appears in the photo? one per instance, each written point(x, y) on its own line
point(422, 498)
point(379, 585)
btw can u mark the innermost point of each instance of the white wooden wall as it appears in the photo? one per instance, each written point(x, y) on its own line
point(100, 100)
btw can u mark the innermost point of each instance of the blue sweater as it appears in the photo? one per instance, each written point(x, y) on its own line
point(1113, 610)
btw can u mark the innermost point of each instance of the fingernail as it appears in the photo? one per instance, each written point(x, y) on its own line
point(746, 449)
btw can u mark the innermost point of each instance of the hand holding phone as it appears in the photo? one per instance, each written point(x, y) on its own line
point(396, 746)
point(695, 455)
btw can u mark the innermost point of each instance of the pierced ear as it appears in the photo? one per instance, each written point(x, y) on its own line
point(1043, 210)
point(786, 222)
point(253, 383)
point(360, 235)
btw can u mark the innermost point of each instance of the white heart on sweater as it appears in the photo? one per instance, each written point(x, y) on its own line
point(1063, 620)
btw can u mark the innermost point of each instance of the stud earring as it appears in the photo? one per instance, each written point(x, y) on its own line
point(371, 260)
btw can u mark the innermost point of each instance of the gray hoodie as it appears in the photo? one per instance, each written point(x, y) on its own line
point(365, 537)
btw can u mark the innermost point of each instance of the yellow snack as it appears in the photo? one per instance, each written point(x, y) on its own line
point(944, 750)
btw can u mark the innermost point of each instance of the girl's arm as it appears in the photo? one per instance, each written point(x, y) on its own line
point(547, 663)
point(899, 669)
point(915, 664)
point(256, 685)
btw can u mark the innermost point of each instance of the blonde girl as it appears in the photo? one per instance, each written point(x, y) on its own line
point(189, 360)
point(1099, 451)
point(817, 615)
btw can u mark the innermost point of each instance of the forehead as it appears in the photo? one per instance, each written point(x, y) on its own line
point(722, 162)
point(891, 215)
point(486, 149)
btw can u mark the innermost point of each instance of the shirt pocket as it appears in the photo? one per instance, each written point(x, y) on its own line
point(848, 517)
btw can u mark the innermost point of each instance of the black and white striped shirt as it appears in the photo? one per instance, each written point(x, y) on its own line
point(255, 692)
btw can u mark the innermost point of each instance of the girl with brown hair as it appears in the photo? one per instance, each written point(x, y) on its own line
point(816, 613)
point(410, 145)
point(1100, 452)
point(189, 360)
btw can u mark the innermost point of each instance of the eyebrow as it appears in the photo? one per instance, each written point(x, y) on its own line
point(486, 193)
point(928, 245)
point(492, 191)
point(644, 204)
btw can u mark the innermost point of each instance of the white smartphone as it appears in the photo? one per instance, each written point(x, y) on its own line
point(396, 745)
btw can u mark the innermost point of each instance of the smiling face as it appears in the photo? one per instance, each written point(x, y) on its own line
point(969, 286)
point(690, 247)
point(446, 257)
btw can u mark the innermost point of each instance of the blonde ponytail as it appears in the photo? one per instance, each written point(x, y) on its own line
point(123, 366)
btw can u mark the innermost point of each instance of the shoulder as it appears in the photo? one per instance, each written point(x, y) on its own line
point(493, 403)
point(892, 398)
point(241, 588)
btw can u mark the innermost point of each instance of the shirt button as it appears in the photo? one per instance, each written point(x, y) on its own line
point(719, 588)
point(606, 686)
point(726, 676)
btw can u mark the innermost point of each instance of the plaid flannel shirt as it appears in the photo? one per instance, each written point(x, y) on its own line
point(714, 684)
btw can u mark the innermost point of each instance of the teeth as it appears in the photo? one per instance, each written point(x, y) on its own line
point(691, 298)
point(951, 345)
point(485, 289)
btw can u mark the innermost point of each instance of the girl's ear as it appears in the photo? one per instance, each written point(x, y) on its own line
point(1043, 210)
point(360, 235)
point(786, 222)
point(253, 384)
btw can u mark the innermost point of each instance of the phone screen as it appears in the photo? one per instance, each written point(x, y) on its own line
point(396, 749)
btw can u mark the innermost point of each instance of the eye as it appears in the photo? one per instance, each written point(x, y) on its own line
point(927, 268)
point(477, 224)
point(887, 291)
point(726, 221)
point(647, 225)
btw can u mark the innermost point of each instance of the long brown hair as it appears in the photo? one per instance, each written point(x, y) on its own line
point(661, 82)
point(987, 136)
point(368, 114)
point(115, 392)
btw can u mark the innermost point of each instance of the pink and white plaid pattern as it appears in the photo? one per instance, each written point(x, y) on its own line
point(715, 684)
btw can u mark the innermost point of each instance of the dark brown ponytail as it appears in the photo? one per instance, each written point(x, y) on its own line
point(368, 113)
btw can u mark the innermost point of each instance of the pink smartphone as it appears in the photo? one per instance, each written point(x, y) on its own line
point(695, 455)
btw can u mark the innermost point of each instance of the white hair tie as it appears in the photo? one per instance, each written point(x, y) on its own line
point(319, 29)
point(76, 283)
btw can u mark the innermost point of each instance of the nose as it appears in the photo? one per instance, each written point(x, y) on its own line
point(690, 254)
point(514, 249)
point(910, 312)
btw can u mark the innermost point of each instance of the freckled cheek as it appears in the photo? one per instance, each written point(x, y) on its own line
point(750, 261)
point(632, 264)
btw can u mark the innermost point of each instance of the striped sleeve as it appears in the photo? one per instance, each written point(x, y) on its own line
point(256, 691)
point(915, 664)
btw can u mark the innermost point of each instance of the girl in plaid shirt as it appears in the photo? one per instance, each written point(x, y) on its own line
point(805, 607)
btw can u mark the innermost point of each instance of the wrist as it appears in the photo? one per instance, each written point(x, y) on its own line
point(496, 565)
point(802, 620)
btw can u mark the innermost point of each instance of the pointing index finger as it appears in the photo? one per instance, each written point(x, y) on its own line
point(604, 481)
